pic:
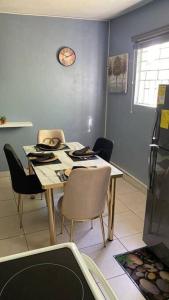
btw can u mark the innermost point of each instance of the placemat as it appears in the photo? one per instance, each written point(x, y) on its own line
point(56, 161)
point(93, 157)
point(148, 273)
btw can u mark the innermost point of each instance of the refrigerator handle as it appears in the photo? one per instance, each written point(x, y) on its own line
point(155, 136)
point(152, 163)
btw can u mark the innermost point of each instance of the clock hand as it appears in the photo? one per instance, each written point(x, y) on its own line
point(68, 55)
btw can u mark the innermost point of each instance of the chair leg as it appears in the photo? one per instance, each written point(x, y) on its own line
point(71, 230)
point(91, 224)
point(107, 199)
point(18, 202)
point(20, 209)
point(102, 228)
point(52, 196)
point(62, 223)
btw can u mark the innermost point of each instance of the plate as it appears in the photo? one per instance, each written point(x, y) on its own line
point(62, 146)
point(44, 149)
point(80, 156)
point(37, 160)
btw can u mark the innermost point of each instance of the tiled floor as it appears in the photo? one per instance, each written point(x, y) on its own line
point(129, 217)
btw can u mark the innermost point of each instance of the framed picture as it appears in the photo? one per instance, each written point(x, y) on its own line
point(117, 73)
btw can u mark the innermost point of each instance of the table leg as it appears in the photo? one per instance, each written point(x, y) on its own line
point(111, 207)
point(51, 215)
point(53, 207)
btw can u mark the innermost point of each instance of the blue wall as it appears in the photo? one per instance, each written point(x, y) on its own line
point(132, 131)
point(35, 87)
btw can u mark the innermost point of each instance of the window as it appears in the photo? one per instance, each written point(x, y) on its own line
point(152, 69)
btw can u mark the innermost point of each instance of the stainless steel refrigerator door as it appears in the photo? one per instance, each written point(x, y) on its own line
point(156, 226)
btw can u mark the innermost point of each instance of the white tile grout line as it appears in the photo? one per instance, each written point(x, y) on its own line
point(12, 237)
point(127, 237)
point(132, 212)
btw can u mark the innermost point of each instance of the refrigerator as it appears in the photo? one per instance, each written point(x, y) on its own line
point(156, 223)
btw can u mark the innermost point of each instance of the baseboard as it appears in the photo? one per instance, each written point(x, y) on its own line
point(132, 180)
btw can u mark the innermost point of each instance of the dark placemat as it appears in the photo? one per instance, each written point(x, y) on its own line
point(56, 161)
point(148, 273)
point(93, 157)
point(63, 148)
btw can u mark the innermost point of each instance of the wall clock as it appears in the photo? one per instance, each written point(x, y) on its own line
point(66, 56)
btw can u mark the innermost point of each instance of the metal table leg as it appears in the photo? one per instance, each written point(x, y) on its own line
point(51, 215)
point(111, 207)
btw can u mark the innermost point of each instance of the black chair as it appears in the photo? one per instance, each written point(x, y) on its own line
point(104, 147)
point(21, 183)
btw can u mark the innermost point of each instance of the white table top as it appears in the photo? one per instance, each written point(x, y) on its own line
point(46, 173)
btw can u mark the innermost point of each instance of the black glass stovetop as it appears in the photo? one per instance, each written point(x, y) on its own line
point(49, 275)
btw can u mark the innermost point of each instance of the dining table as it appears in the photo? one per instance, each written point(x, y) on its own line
point(48, 175)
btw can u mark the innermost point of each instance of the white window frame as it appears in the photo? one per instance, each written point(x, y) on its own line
point(152, 90)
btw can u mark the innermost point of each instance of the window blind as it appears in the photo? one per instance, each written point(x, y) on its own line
point(156, 36)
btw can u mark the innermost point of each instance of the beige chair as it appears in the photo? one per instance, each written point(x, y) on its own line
point(48, 136)
point(85, 195)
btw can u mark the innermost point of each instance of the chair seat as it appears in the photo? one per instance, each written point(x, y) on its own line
point(30, 185)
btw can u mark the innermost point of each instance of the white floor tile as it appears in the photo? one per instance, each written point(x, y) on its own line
point(84, 236)
point(41, 239)
point(135, 201)
point(128, 228)
point(6, 193)
point(35, 221)
point(8, 208)
point(5, 182)
point(103, 257)
point(125, 288)
point(141, 213)
point(123, 187)
point(30, 205)
point(127, 224)
point(9, 227)
point(13, 245)
point(119, 208)
point(133, 241)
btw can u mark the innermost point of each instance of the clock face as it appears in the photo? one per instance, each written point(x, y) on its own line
point(66, 56)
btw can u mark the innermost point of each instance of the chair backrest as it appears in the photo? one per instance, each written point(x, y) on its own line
point(104, 147)
point(85, 193)
point(15, 167)
point(48, 136)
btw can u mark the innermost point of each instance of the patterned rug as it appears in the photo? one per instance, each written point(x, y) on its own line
point(147, 272)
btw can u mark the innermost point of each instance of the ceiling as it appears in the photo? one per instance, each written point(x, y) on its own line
point(83, 9)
